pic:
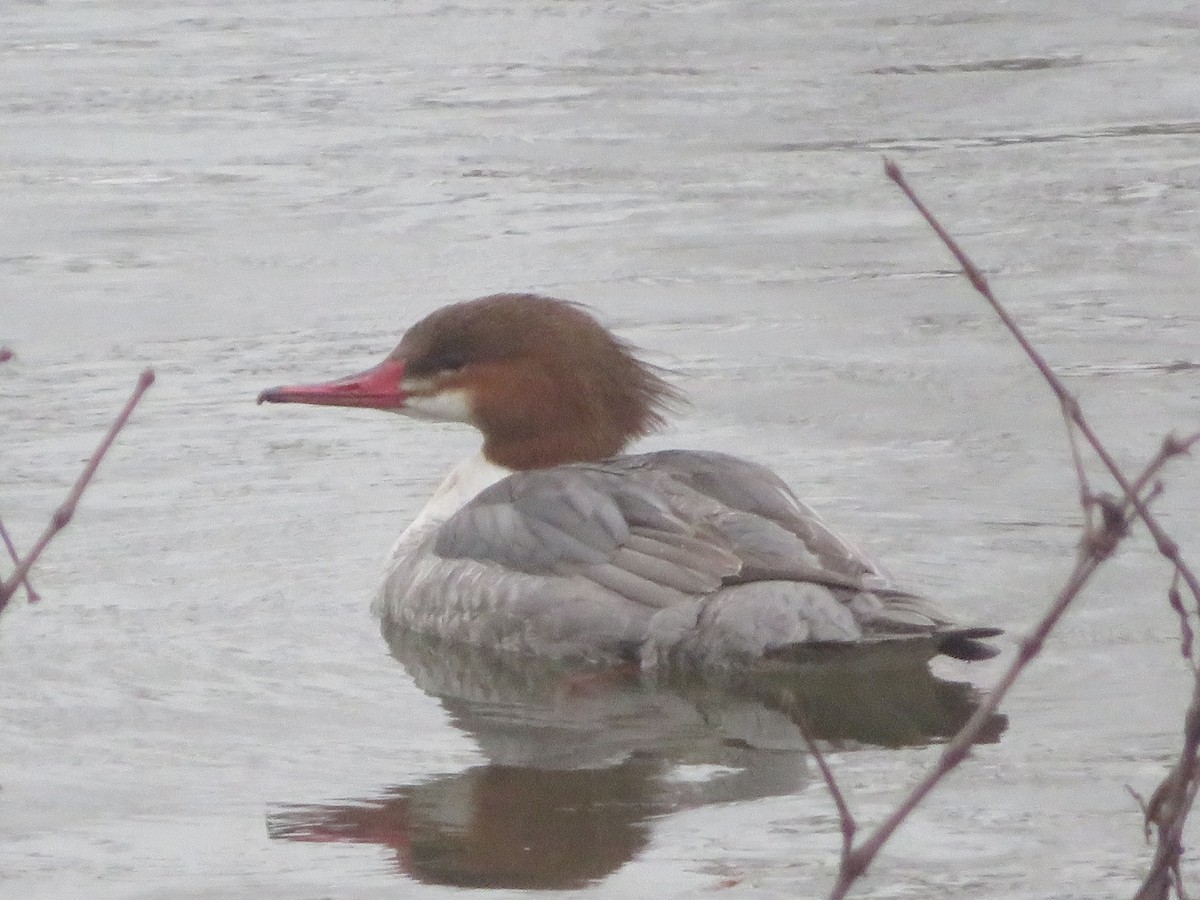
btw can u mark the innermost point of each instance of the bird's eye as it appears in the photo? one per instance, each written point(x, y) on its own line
point(452, 362)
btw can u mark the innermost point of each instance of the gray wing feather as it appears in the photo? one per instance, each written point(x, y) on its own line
point(642, 526)
point(675, 529)
point(535, 522)
point(635, 587)
point(646, 564)
point(580, 546)
point(640, 540)
point(742, 486)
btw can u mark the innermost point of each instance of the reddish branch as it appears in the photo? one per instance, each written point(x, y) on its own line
point(1169, 806)
point(12, 554)
point(63, 514)
point(5, 355)
point(1166, 545)
point(845, 817)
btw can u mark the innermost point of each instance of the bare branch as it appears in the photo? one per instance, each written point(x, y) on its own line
point(1168, 810)
point(1100, 539)
point(956, 751)
point(1185, 627)
point(1085, 489)
point(33, 595)
point(975, 276)
point(62, 515)
point(1166, 545)
point(848, 825)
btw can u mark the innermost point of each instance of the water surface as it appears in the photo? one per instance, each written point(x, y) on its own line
point(241, 196)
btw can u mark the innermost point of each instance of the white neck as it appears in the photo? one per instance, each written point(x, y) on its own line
point(463, 483)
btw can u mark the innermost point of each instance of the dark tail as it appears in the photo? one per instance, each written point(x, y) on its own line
point(965, 643)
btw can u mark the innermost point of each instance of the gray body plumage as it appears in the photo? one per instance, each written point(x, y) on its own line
point(676, 558)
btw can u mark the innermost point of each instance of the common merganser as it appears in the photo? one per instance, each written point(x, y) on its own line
point(550, 543)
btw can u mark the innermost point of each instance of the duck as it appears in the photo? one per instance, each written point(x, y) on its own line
point(552, 541)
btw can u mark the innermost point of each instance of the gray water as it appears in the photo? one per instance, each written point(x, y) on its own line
point(241, 195)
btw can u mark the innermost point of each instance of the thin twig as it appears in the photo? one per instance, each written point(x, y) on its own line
point(1169, 807)
point(846, 818)
point(1085, 490)
point(1180, 786)
point(979, 282)
point(33, 595)
point(1165, 544)
point(1100, 540)
point(1185, 627)
point(1170, 448)
point(63, 514)
point(956, 751)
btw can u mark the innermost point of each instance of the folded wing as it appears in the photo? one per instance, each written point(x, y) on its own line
point(692, 534)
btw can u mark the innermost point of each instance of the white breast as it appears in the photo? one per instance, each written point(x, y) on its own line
point(463, 483)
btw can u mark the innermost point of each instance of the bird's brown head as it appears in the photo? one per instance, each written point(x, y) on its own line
point(540, 378)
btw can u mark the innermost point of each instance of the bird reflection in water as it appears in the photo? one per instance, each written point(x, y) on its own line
point(579, 763)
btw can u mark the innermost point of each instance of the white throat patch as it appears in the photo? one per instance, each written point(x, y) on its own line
point(444, 406)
